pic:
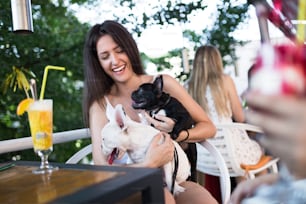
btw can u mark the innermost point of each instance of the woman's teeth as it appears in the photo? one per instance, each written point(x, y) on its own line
point(118, 69)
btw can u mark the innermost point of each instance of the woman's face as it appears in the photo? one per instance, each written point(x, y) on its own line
point(113, 59)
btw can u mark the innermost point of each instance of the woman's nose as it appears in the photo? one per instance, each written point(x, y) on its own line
point(114, 59)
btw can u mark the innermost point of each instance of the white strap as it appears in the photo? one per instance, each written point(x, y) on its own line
point(109, 108)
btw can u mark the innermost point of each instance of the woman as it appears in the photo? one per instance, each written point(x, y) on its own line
point(217, 95)
point(212, 89)
point(113, 69)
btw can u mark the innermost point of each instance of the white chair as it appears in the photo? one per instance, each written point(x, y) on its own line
point(220, 165)
point(223, 141)
point(81, 154)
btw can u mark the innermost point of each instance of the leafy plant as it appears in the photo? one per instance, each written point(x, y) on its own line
point(17, 79)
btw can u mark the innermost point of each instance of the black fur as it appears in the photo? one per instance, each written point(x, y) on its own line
point(150, 97)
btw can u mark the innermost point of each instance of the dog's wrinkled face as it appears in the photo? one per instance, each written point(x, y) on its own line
point(144, 97)
point(147, 95)
point(122, 133)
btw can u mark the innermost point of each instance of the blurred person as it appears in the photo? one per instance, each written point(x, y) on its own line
point(283, 119)
point(113, 70)
point(216, 92)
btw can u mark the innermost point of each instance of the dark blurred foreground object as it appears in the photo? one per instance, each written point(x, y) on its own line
point(22, 16)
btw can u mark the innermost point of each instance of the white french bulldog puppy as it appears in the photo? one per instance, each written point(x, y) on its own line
point(123, 134)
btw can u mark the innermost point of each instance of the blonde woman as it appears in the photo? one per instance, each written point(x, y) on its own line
point(212, 89)
point(217, 95)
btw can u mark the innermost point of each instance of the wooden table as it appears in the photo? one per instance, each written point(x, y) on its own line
point(75, 183)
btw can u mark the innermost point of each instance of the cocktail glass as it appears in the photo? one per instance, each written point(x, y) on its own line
point(40, 115)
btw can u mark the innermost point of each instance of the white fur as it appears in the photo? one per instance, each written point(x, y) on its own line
point(134, 138)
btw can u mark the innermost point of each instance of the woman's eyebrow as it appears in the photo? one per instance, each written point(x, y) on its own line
point(114, 48)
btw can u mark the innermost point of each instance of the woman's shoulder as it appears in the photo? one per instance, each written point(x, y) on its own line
point(98, 106)
point(169, 80)
point(227, 77)
point(228, 80)
point(165, 77)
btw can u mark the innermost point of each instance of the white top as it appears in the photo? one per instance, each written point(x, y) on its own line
point(213, 112)
point(247, 150)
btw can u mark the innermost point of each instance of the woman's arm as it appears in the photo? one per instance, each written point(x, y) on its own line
point(204, 128)
point(236, 106)
point(97, 120)
point(158, 153)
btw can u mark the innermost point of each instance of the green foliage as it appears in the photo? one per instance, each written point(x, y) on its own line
point(163, 13)
point(227, 18)
point(230, 14)
point(58, 40)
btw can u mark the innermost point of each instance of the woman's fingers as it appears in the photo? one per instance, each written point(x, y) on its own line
point(160, 122)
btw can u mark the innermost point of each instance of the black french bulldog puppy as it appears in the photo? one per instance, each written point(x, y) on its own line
point(150, 97)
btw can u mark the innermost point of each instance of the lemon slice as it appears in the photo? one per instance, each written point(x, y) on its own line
point(24, 105)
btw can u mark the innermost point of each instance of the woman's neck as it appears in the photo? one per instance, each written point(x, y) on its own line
point(123, 89)
point(121, 93)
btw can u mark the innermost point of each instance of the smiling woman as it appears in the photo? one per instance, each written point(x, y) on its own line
point(113, 70)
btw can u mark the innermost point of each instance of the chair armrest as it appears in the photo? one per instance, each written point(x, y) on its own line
point(224, 174)
point(244, 126)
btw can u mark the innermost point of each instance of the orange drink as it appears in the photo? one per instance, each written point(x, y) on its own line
point(41, 124)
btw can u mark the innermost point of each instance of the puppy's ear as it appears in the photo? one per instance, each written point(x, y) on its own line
point(158, 85)
point(120, 116)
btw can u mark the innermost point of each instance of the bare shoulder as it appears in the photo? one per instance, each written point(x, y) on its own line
point(168, 78)
point(97, 112)
point(229, 82)
point(170, 83)
point(227, 79)
point(97, 106)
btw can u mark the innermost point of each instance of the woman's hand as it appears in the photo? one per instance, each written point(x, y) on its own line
point(283, 120)
point(247, 188)
point(160, 151)
point(162, 123)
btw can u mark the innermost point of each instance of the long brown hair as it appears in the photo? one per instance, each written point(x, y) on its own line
point(208, 72)
point(97, 83)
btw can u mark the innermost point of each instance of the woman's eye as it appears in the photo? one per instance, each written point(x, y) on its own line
point(119, 50)
point(103, 57)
